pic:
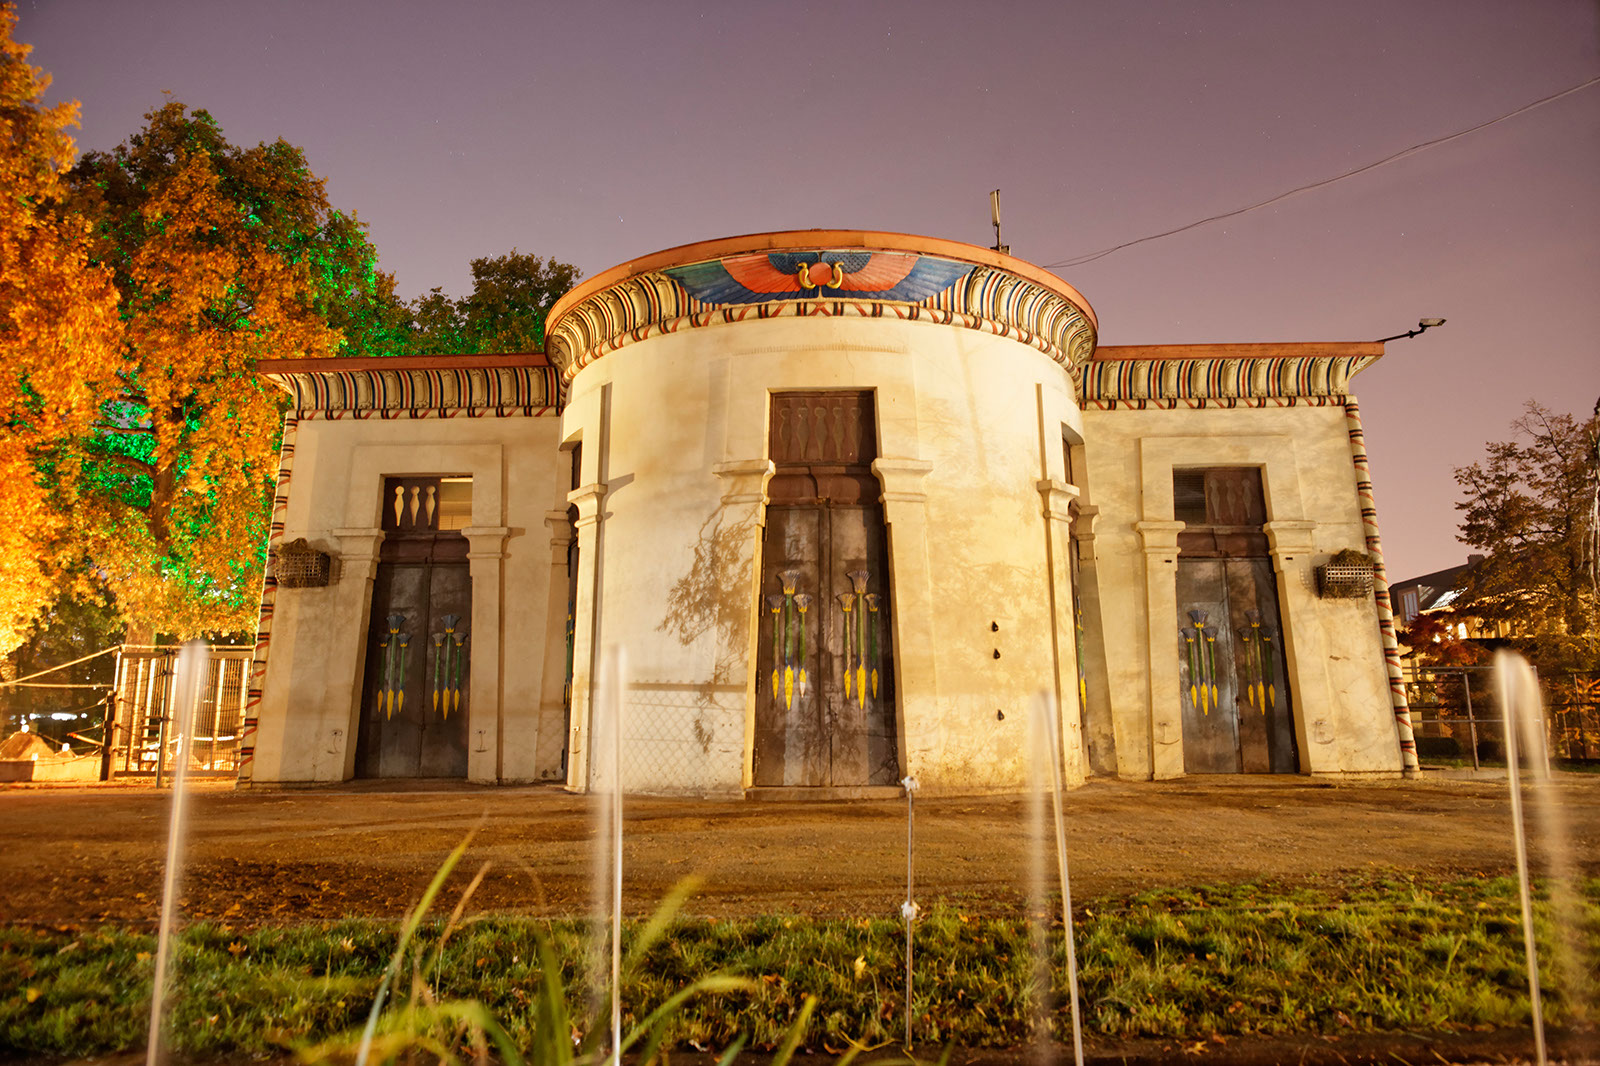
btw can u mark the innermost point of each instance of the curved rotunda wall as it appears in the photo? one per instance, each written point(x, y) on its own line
point(675, 462)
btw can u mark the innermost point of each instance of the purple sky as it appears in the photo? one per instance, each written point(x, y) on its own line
point(596, 132)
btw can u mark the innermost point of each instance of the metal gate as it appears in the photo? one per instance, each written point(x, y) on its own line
point(144, 740)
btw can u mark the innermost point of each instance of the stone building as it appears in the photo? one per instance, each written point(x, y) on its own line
point(849, 501)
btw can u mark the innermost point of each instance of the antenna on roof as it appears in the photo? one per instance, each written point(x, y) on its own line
point(994, 215)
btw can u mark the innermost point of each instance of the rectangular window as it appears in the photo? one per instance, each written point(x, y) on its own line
point(455, 502)
point(1223, 510)
point(1189, 496)
point(426, 504)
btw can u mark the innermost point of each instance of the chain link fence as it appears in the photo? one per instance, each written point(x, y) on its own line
point(1456, 715)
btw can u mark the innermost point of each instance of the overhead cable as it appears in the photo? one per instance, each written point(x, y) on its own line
point(1090, 257)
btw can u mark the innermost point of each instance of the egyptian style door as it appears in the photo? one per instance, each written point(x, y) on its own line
point(414, 696)
point(825, 712)
point(1232, 673)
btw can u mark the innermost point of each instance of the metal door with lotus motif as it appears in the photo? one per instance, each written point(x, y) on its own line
point(1232, 672)
point(414, 695)
point(1235, 694)
point(824, 691)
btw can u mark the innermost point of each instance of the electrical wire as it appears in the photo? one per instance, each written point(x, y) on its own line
point(63, 666)
point(1090, 257)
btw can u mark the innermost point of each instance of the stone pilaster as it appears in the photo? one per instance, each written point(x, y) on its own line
point(905, 512)
point(585, 632)
point(1056, 499)
point(1159, 541)
point(486, 552)
point(1305, 646)
point(552, 735)
point(358, 566)
point(744, 497)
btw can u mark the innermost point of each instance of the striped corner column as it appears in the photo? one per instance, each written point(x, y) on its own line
point(269, 597)
point(1380, 588)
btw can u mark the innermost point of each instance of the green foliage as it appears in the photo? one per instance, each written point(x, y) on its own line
point(70, 628)
point(511, 295)
point(1186, 963)
point(1531, 506)
point(220, 256)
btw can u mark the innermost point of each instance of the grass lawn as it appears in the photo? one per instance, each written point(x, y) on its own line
point(1250, 959)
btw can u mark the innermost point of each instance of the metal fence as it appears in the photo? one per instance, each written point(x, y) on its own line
point(1454, 714)
point(144, 740)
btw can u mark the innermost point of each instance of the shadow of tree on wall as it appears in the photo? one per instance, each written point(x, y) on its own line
point(714, 596)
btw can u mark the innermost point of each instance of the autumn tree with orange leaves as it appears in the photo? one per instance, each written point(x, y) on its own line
point(138, 289)
point(223, 256)
point(59, 339)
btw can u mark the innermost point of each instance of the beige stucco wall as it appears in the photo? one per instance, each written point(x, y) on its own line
point(312, 685)
point(1339, 689)
point(674, 431)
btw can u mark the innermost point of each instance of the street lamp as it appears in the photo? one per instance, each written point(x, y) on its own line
point(1423, 325)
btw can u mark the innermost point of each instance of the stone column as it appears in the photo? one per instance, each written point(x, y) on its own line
point(585, 631)
point(1100, 725)
point(1160, 545)
point(551, 731)
point(1057, 498)
point(1305, 647)
point(347, 663)
point(905, 512)
point(744, 499)
point(486, 552)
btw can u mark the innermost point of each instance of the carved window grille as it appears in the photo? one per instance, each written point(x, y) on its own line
point(426, 504)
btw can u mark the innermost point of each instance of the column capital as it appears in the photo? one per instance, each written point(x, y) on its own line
point(560, 535)
point(358, 544)
point(744, 479)
point(1289, 538)
point(1159, 538)
point(1084, 522)
point(1058, 498)
point(902, 479)
point(486, 542)
point(586, 498)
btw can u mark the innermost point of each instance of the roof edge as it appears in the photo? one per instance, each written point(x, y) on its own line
point(335, 364)
point(1288, 350)
point(700, 251)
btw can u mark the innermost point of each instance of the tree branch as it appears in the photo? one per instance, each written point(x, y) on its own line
point(138, 466)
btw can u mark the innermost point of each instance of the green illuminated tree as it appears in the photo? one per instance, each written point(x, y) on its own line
point(222, 256)
point(511, 295)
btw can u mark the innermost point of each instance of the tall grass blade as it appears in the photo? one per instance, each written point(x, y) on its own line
point(409, 930)
point(791, 1039)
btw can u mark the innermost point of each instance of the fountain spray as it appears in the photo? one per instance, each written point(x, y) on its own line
point(1047, 750)
point(186, 694)
point(1513, 677)
point(909, 909)
point(606, 743)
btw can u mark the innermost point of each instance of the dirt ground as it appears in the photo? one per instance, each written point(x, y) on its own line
point(88, 855)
